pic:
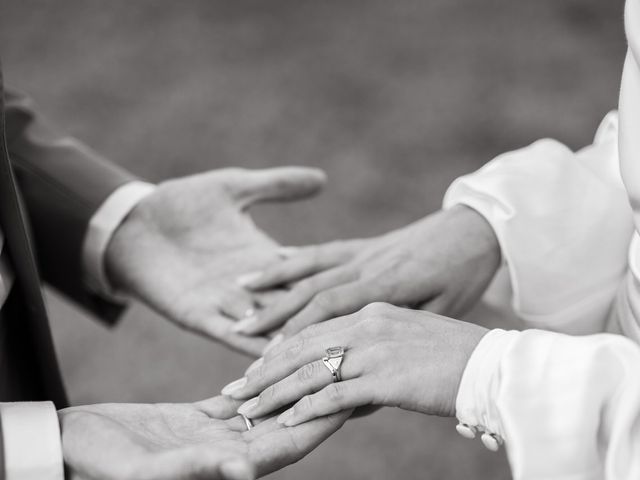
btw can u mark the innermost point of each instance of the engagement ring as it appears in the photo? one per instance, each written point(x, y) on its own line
point(333, 360)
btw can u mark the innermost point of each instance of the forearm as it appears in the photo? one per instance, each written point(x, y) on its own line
point(63, 183)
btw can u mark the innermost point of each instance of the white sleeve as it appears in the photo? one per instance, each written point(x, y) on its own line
point(31, 441)
point(101, 228)
point(626, 317)
point(563, 222)
point(565, 407)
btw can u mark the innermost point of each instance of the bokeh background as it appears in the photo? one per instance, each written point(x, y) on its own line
point(394, 99)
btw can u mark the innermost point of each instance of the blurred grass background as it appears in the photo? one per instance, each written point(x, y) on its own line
point(393, 99)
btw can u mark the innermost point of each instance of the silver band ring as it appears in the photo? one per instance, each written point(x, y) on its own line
point(333, 360)
point(247, 422)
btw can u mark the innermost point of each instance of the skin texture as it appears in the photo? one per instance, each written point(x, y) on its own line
point(204, 440)
point(394, 357)
point(441, 263)
point(181, 247)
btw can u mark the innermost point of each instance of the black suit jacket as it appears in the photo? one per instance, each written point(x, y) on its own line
point(50, 186)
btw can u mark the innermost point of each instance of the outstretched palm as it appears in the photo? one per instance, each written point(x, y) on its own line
point(181, 249)
point(179, 441)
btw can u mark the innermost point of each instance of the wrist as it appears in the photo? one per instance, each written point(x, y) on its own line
point(479, 232)
point(102, 227)
point(468, 343)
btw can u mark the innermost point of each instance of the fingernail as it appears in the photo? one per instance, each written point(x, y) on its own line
point(246, 407)
point(286, 252)
point(248, 278)
point(242, 325)
point(234, 386)
point(285, 416)
point(274, 341)
point(237, 469)
point(255, 365)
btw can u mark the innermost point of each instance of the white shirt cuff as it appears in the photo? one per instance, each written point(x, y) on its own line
point(102, 226)
point(32, 445)
point(478, 391)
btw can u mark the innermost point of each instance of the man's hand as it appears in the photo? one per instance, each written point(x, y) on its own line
point(181, 248)
point(181, 441)
point(442, 263)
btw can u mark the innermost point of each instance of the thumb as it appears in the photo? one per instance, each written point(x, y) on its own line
point(276, 184)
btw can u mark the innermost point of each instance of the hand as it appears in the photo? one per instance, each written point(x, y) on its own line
point(181, 441)
point(181, 248)
point(442, 263)
point(394, 357)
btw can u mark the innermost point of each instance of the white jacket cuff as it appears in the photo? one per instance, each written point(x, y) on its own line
point(31, 438)
point(102, 226)
point(551, 210)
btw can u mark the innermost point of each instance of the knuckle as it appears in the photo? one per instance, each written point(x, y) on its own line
point(325, 302)
point(232, 171)
point(305, 404)
point(294, 351)
point(308, 372)
point(257, 374)
point(304, 288)
point(228, 176)
point(375, 309)
point(316, 253)
point(268, 394)
point(274, 273)
point(335, 393)
point(310, 331)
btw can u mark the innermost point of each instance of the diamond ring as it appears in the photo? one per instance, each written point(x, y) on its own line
point(333, 360)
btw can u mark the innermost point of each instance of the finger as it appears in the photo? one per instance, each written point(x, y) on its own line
point(275, 184)
point(343, 300)
point(220, 407)
point(330, 329)
point(274, 316)
point(308, 261)
point(266, 298)
point(219, 327)
point(236, 304)
point(275, 446)
point(334, 398)
point(308, 379)
point(251, 346)
point(301, 349)
point(237, 424)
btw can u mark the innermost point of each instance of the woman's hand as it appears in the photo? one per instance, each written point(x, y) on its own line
point(442, 263)
point(393, 356)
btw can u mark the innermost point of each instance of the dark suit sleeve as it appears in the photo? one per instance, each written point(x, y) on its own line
point(63, 183)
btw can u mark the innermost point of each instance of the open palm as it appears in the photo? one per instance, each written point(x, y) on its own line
point(181, 249)
point(180, 441)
